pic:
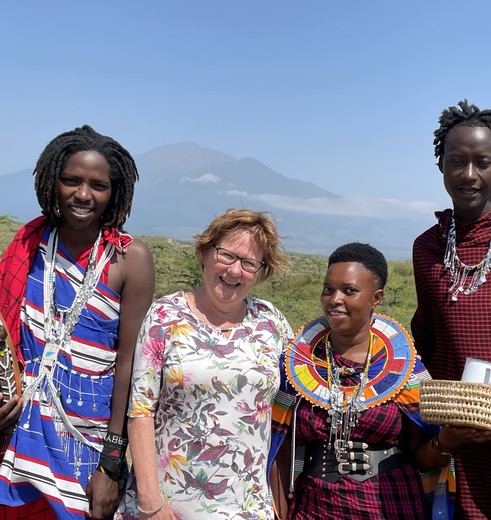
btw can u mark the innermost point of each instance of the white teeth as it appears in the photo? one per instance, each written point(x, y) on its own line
point(229, 283)
point(81, 211)
point(337, 313)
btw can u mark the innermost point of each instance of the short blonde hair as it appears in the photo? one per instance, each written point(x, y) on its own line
point(259, 224)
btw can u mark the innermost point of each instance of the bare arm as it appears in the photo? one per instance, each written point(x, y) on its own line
point(136, 298)
point(137, 281)
point(429, 454)
point(424, 456)
point(280, 478)
point(141, 433)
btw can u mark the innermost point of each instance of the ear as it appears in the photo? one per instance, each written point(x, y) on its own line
point(378, 296)
point(440, 164)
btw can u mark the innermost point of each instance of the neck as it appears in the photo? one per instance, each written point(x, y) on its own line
point(223, 317)
point(351, 347)
point(77, 241)
point(473, 214)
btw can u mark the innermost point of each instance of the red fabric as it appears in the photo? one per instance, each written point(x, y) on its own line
point(38, 510)
point(447, 332)
point(14, 268)
point(16, 262)
point(396, 494)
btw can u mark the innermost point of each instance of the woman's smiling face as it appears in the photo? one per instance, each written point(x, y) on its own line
point(84, 191)
point(350, 294)
point(230, 284)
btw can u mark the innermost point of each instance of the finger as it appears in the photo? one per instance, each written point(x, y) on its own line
point(7, 407)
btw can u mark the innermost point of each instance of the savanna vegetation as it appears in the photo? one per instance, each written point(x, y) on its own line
point(296, 292)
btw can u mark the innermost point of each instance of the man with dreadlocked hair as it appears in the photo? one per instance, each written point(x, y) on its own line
point(451, 260)
point(74, 289)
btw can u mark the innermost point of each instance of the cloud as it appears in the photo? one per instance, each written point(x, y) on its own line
point(207, 178)
point(356, 206)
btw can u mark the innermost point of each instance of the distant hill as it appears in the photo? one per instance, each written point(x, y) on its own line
point(183, 186)
point(296, 292)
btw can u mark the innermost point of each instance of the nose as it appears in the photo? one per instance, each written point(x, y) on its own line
point(470, 172)
point(336, 297)
point(236, 267)
point(83, 191)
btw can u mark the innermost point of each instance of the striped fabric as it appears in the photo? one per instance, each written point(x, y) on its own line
point(447, 332)
point(55, 447)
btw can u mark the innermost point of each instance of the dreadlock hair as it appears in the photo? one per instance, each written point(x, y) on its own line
point(463, 114)
point(371, 259)
point(122, 172)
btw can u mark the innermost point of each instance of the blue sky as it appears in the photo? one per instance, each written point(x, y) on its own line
point(343, 94)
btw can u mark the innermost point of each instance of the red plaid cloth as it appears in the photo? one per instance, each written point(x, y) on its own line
point(396, 494)
point(14, 268)
point(447, 332)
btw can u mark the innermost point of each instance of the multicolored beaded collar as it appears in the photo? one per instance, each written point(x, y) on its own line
point(392, 373)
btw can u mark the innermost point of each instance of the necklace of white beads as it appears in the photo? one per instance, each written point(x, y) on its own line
point(60, 322)
point(459, 272)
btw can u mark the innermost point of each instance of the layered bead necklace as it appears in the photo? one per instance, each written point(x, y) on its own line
point(60, 322)
point(346, 407)
point(459, 271)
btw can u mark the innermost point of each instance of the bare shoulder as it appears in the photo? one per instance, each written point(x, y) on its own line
point(138, 251)
point(133, 268)
point(137, 260)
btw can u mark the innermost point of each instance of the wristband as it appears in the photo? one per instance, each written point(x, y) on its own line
point(116, 439)
point(112, 459)
point(112, 466)
point(115, 445)
point(104, 471)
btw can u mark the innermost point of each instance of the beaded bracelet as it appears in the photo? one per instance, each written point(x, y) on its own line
point(436, 445)
point(153, 511)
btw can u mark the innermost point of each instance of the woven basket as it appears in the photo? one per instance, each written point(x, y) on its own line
point(456, 402)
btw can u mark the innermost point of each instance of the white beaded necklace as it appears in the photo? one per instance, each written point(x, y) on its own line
point(345, 407)
point(459, 271)
point(59, 323)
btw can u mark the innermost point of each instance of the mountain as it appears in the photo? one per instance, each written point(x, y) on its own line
point(183, 186)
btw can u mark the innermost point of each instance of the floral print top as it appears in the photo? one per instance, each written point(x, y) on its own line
point(211, 397)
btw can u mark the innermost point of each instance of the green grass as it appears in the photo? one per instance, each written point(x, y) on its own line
point(296, 292)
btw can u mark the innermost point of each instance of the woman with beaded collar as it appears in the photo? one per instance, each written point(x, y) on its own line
point(356, 377)
point(74, 289)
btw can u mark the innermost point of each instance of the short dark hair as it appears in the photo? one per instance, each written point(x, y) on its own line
point(372, 259)
point(122, 172)
point(463, 114)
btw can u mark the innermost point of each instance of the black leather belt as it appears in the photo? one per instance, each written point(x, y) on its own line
point(356, 461)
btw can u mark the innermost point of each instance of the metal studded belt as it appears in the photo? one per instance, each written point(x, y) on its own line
point(355, 460)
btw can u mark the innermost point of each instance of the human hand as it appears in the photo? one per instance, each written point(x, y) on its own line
point(103, 495)
point(10, 411)
point(452, 437)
